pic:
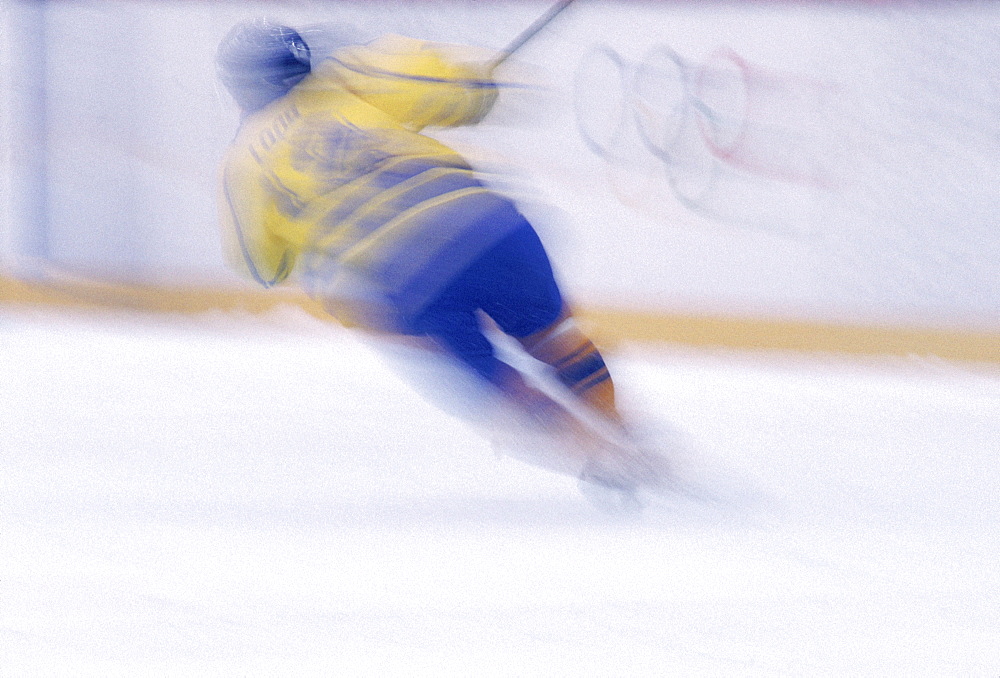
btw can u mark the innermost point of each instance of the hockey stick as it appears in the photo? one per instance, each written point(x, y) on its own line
point(530, 32)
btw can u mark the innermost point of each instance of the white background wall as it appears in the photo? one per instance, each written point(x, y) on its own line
point(838, 162)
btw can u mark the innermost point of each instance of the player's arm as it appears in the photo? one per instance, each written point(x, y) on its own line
point(251, 247)
point(418, 83)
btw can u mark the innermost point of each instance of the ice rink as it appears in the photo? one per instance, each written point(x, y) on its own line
point(236, 496)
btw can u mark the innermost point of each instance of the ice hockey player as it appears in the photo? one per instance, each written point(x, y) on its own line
point(330, 182)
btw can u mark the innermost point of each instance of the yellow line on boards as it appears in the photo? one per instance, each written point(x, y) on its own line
point(67, 293)
point(614, 326)
point(609, 327)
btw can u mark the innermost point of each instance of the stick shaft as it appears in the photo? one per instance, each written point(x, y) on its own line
point(532, 30)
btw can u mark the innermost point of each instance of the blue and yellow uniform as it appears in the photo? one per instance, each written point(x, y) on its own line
point(331, 183)
point(388, 227)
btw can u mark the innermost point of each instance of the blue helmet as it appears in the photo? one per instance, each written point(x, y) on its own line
point(259, 61)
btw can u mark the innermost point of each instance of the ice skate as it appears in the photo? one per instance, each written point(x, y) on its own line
point(610, 495)
point(622, 476)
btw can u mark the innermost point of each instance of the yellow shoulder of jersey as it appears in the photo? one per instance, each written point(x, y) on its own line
point(418, 83)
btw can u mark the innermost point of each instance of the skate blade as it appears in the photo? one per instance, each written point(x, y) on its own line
point(610, 497)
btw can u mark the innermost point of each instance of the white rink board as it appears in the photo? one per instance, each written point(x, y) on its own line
point(818, 161)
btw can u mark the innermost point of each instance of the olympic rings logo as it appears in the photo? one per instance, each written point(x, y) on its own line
point(704, 123)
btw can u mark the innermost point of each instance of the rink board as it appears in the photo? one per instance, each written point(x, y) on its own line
point(610, 327)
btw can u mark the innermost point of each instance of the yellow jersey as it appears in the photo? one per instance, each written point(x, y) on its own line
point(335, 181)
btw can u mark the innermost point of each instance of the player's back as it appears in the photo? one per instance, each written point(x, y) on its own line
point(336, 169)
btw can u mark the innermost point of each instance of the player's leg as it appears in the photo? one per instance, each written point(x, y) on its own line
point(525, 301)
point(452, 327)
point(577, 363)
point(526, 304)
point(519, 419)
point(513, 284)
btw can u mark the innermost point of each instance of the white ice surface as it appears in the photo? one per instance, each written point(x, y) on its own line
point(230, 496)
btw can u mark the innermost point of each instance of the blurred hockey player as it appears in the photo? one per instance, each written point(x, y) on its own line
point(330, 182)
